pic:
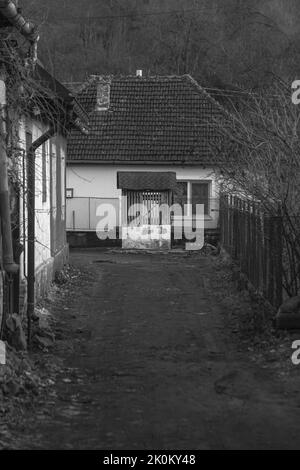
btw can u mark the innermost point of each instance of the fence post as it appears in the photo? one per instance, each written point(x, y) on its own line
point(226, 205)
point(221, 220)
point(271, 263)
point(278, 247)
point(243, 214)
point(254, 247)
point(234, 225)
point(265, 255)
point(249, 239)
point(260, 249)
point(230, 225)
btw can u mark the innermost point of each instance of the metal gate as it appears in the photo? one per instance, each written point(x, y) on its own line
point(151, 201)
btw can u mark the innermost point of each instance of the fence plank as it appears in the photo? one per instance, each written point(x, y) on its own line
point(254, 239)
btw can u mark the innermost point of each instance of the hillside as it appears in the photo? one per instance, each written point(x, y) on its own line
point(219, 42)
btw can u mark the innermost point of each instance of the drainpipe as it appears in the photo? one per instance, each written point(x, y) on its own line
point(7, 246)
point(12, 13)
point(31, 224)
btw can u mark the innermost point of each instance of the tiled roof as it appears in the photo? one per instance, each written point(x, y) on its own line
point(151, 119)
point(78, 117)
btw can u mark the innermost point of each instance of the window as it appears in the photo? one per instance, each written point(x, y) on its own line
point(180, 193)
point(44, 173)
point(193, 192)
point(200, 196)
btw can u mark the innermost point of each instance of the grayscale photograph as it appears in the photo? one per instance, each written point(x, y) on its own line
point(149, 228)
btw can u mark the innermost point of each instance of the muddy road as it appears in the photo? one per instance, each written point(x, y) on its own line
point(147, 362)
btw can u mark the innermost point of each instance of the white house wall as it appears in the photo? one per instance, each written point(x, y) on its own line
point(42, 213)
point(100, 181)
point(51, 249)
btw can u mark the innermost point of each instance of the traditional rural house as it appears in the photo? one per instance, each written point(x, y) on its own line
point(41, 159)
point(150, 141)
point(36, 114)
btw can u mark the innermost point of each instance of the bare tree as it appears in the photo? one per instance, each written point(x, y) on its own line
point(258, 154)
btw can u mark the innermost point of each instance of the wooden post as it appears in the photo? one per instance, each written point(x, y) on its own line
point(278, 261)
point(266, 265)
point(270, 294)
point(249, 255)
point(254, 246)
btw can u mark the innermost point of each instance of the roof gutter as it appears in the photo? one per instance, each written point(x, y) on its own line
point(11, 12)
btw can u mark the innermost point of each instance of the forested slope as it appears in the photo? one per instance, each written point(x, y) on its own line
point(220, 42)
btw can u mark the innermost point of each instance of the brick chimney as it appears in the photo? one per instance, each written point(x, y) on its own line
point(103, 94)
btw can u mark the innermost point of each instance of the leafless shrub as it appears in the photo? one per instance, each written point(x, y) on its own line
point(258, 156)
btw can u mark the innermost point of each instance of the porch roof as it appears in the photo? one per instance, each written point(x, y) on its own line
point(148, 180)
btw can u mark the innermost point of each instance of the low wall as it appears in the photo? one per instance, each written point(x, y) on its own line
point(91, 240)
point(147, 237)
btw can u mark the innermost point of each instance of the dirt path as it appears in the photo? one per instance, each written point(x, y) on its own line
point(148, 364)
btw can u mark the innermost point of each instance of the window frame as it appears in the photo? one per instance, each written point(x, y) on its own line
point(190, 182)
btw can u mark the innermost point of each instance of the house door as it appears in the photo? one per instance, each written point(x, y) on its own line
point(149, 212)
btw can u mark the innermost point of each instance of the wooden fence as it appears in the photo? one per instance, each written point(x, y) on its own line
point(254, 240)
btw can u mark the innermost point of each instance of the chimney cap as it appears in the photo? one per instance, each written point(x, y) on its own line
point(139, 73)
